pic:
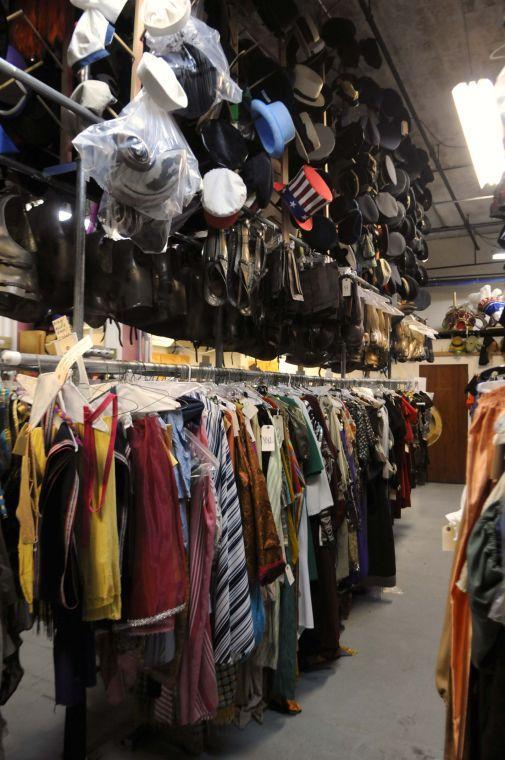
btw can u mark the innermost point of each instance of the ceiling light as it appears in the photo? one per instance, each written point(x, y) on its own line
point(482, 126)
point(499, 256)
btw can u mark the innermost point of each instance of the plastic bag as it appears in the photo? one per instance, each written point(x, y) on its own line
point(141, 159)
point(199, 63)
point(122, 222)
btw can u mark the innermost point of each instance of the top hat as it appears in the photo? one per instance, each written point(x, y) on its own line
point(304, 196)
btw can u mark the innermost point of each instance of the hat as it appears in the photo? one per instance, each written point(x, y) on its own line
point(304, 196)
point(166, 17)
point(392, 104)
point(223, 195)
point(420, 247)
point(307, 138)
point(337, 30)
point(402, 184)
point(345, 256)
point(350, 140)
point(197, 76)
point(224, 143)
point(390, 134)
point(370, 52)
point(340, 207)
point(161, 83)
point(387, 205)
point(388, 171)
point(396, 245)
point(407, 263)
point(307, 86)
point(109, 8)
point(346, 86)
point(422, 300)
point(310, 44)
point(383, 272)
point(421, 275)
point(349, 53)
point(435, 428)
point(368, 208)
point(350, 227)
point(258, 177)
point(370, 93)
point(277, 15)
point(409, 288)
point(274, 126)
point(94, 95)
point(323, 235)
point(92, 35)
point(326, 138)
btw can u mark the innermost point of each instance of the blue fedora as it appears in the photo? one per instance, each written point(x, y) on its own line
point(274, 126)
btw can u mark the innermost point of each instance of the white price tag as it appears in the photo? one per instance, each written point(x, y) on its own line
point(62, 327)
point(279, 428)
point(346, 286)
point(267, 438)
point(63, 366)
point(289, 575)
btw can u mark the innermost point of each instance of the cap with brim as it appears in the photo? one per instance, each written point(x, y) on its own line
point(368, 208)
point(425, 225)
point(93, 94)
point(412, 288)
point(426, 199)
point(257, 174)
point(349, 52)
point(390, 134)
point(420, 248)
point(161, 83)
point(223, 195)
point(224, 143)
point(166, 17)
point(389, 170)
point(326, 137)
point(397, 221)
point(323, 235)
point(396, 245)
point(423, 299)
point(348, 183)
point(109, 8)
point(407, 263)
point(387, 205)
point(426, 175)
point(408, 228)
point(421, 275)
point(91, 36)
point(274, 126)
point(401, 186)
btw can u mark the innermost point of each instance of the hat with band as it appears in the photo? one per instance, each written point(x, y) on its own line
point(304, 196)
point(308, 86)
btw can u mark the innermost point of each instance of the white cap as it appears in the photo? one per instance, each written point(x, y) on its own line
point(161, 83)
point(90, 38)
point(93, 94)
point(224, 192)
point(110, 8)
point(165, 17)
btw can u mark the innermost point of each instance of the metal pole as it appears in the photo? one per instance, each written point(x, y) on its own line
point(363, 4)
point(29, 171)
point(80, 250)
point(343, 361)
point(48, 92)
point(218, 337)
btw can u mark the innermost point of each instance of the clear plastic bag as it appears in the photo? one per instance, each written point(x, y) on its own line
point(199, 63)
point(141, 159)
point(122, 222)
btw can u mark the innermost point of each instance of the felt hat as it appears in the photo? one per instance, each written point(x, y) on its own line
point(274, 126)
point(408, 288)
point(91, 37)
point(345, 256)
point(277, 15)
point(368, 208)
point(309, 41)
point(165, 17)
point(224, 143)
point(422, 299)
point(396, 245)
point(308, 86)
point(326, 138)
point(323, 235)
point(94, 95)
point(370, 52)
point(197, 76)
point(257, 174)
point(160, 83)
point(223, 195)
point(305, 195)
point(109, 8)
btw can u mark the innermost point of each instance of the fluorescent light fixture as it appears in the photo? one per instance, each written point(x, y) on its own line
point(64, 214)
point(499, 256)
point(482, 126)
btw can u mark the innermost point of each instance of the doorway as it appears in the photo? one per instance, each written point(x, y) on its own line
point(448, 454)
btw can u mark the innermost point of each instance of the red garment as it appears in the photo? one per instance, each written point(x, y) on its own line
point(410, 417)
point(159, 565)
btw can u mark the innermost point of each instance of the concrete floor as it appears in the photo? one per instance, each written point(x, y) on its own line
point(379, 705)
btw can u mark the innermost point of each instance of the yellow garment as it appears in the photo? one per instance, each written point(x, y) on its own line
point(99, 555)
point(33, 466)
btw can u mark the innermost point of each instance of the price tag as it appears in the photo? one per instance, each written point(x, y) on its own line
point(62, 327)
point(268, 438)
point(289, 575)
point(448, 542)
point(346, 286)
point(63, 366)
point(279, 428)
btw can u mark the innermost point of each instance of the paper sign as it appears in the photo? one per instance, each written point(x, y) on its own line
point(346, 286)
point(268, 438)
point(62, 327)
point(448, 542)
point(289, 575)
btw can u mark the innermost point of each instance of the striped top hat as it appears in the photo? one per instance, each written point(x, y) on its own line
point(304, 196)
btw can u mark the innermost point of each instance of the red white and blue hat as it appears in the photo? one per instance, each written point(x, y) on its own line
point(304, 196)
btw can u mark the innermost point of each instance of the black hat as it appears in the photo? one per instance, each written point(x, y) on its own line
point(349, 141)
point(197, 77)
point(370, 52)
point(390, 134)
point(408, 288)
point(368, 208)
point(323, 235)
point(337, 30)
point(340, 207)
point(420, 247)
point(392, 104)
point(224, 143)
point(349, 52)
point(407, 262)
point(388, 207)
point(402, 184)
point(350, 227)
point(423, 299)
point(370, 93)
point(277, 15)
point(421, 275)
point(396, 245)
point(307, 40)
point(258, 178)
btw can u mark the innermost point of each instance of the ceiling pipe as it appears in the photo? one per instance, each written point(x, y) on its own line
point(367, 12)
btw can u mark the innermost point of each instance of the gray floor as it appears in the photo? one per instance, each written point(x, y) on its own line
point(379, 705)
